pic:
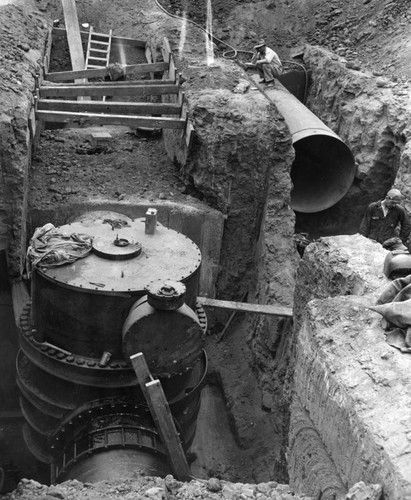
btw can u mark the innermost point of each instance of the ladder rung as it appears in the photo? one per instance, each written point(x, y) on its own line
point(97, 42)
point(97, 58)
point(94, 66)
point(97, 50)
point(100, 34)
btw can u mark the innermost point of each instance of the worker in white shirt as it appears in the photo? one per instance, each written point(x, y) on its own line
point(266, 61)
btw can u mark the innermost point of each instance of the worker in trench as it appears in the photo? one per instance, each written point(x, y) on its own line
point(387, 219)
point(266, 62)
point(387, 222)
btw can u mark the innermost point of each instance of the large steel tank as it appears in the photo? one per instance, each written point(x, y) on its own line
point(79, 393)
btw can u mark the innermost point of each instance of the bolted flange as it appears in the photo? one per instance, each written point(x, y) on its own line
point(167, 295)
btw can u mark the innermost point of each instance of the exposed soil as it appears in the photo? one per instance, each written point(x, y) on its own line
point(67, 167)
point(374, 38)
point(129, 164)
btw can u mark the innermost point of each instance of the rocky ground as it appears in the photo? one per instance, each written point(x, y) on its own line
point(369, 34)
point(69, 164)
point(169, 489)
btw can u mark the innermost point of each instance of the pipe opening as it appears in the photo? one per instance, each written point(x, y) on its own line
point(322, 172)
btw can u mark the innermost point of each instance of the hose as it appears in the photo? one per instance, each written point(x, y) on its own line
point(210, 35)
point(231, 48)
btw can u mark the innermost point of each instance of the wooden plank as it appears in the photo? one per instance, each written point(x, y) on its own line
point(160, 411)
point(172, 69)
point(135, 69)
point(166, 50)
point(87, 119)
point(126, 83)
point(20, 297)
point(119, 108)
point(116, 40)
point(189, 133)
point(73, 34)
point(230, 319)
point(271, 309)
point(100, 90)
point(47, 52)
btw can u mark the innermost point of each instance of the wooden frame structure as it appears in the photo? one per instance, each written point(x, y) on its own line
point(59, 100)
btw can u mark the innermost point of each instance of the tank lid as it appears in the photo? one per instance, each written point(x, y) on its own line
point(146, 258)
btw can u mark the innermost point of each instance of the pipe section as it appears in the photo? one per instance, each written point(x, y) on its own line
point(324, 167)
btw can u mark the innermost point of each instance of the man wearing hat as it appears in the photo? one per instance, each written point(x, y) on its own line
point(385, 219)
point(266, 61)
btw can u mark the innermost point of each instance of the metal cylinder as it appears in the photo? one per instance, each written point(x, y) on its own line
point(81, 306)
point(324, 167)
point(85, 412)
point(177, 342)
point(115, 465)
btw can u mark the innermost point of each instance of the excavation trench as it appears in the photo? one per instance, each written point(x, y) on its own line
point(267, 404)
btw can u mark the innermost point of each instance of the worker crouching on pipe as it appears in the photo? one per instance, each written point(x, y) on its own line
point(266, 61)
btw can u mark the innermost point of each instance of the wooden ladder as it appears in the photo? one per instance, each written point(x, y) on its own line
point(98, 50)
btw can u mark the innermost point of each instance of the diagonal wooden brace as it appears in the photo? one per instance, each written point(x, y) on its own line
point(160, 411)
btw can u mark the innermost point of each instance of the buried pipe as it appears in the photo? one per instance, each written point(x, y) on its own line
point(324, 167)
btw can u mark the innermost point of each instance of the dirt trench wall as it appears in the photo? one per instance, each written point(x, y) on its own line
point(372, 115)
point(240, 157)
point(23, 35)
point(350, 388)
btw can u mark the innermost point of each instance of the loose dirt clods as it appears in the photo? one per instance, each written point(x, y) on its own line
point(360, 88)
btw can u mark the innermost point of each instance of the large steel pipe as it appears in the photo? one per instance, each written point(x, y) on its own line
point(324, 167)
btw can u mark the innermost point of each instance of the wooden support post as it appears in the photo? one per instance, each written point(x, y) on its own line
point(160, 411)
point(73, 37)
point(73, 34)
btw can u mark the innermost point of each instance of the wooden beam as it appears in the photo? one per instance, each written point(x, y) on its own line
point(118, 108)
point(166, 50)
point(47, 53)
point(87, 119)
point(73, 34)
point(160, 411)
point(116, 40)
point(189, 131)
point(270, 309)
point(126, 83)
point(135, 69)
point(100, 90)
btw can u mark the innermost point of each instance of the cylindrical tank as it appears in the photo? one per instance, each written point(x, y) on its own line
point(80, 397)
point(178, 334)
point(324, 167)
